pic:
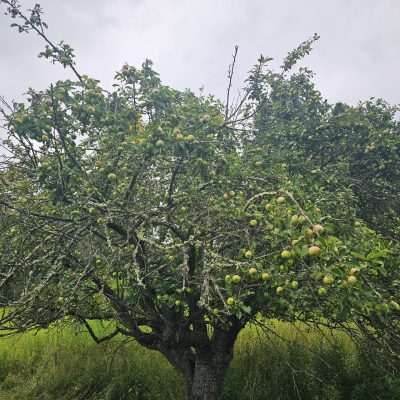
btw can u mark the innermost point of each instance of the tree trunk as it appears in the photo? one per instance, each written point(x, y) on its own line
point(206, 382)
point(204, 367)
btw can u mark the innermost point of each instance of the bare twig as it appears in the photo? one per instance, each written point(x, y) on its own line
point(230, 76)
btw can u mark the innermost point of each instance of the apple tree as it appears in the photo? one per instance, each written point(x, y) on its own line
point(339, 146)
point(172, 215)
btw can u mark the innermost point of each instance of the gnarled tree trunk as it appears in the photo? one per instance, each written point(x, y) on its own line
point(207, 378)
point(204, 363)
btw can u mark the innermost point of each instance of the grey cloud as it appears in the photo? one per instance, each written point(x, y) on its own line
point(191, 42)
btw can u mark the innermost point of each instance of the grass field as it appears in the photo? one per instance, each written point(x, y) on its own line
point(65, 364)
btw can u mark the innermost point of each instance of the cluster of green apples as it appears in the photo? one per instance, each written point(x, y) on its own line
point(180, 137)
point(229, 195)
point(257, 275)
point(313, 250)
point(328, 280)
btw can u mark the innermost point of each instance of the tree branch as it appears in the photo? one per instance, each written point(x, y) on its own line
point(94, 336)
point(230, 76)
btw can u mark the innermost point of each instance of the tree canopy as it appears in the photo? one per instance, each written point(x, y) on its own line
point(182, 218)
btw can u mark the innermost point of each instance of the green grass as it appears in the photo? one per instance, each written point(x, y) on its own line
point(65, 364)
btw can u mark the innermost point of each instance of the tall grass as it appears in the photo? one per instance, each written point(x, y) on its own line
point(67, 364)
point(297, 363)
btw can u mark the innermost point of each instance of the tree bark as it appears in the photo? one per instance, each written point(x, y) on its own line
point(204, 366)
point(208, 378)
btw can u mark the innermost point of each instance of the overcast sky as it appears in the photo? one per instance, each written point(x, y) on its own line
point(191, 42)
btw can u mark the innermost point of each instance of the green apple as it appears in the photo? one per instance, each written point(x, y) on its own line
point(322, 291)
point(294, 220)
point(294, 284)
point(236, 278)
point(253, 222)
point(314, 251)
point(248, 254)
point(308, 233)
point(228, 278)
point(252, 271)
point(160, 143)
point(286, 254)
point(280, 200)
point(265, 276)
point(328, 280)
point(230, 301)
point(279, 290)
point(351, 279)
point(318, 229)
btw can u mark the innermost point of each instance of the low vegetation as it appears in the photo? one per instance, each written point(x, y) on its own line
point(298, 364)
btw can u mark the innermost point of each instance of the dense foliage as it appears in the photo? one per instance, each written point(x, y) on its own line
point(183, 219)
